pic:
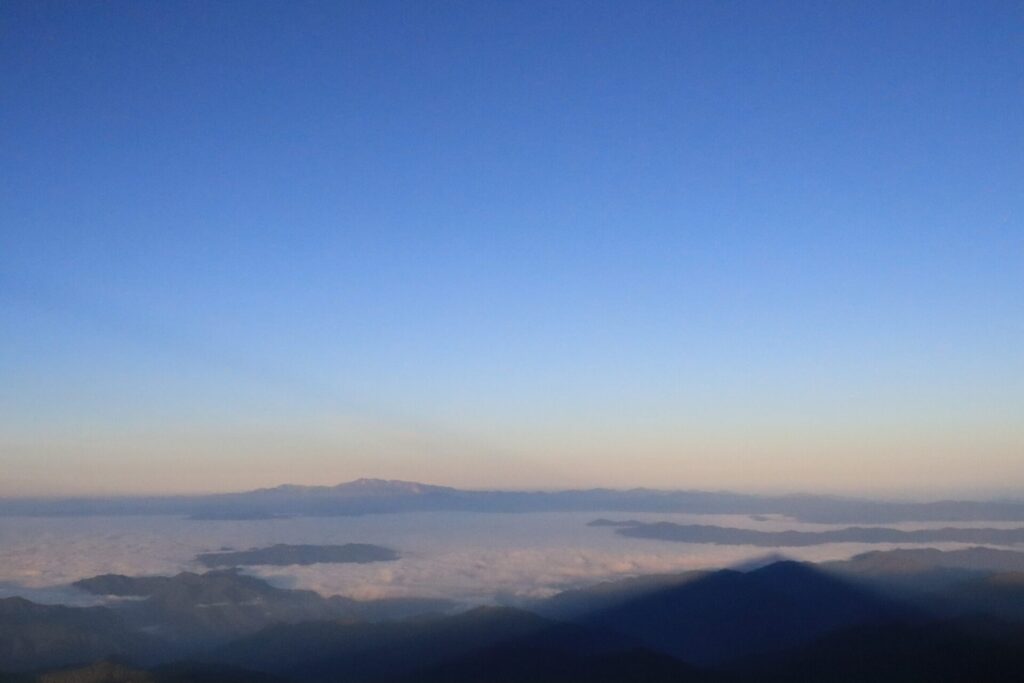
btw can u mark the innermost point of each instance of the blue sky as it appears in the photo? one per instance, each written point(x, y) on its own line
point(734, 245)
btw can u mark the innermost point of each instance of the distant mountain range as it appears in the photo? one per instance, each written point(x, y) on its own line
point(370, 496)
point(721, 535)
point(914, 561)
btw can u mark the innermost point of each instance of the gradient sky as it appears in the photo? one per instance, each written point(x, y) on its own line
point(753, 245)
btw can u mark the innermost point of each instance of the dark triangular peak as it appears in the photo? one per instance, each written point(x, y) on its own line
point(759, 561)
point(727, 614)
point(579, 602)
point(800, 580)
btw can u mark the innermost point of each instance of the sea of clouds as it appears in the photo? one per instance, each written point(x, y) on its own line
point(468, 557)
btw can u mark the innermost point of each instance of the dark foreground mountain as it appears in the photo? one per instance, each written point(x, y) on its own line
point(728, 614)
point(109, 671)
point(194, 610)
point(875, 652)
point(160, 618)
point(533, 662)
point(34, 636)
point(959, 651)
point(1000, 595)
point(785, 622)
point(970, 581)
point(371, 496)
point(581, 603)
point(962, 651)
point(321, 651)
point(283, 554)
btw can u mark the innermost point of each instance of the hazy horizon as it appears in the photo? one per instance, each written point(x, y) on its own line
point(880, 494)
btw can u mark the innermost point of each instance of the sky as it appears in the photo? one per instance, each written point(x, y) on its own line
point(756, 246)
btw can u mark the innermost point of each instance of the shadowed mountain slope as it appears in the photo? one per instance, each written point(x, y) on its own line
point(370, 652)
point(198, 610)
point(1000, 595)
point(34, 636)
point(785, 622)
point(728, 614)
point(538, 663)
point(979, 581)
point(116, 672)
point(961, 651)
point(580, 602)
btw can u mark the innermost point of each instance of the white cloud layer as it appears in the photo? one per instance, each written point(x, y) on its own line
point(468, 557)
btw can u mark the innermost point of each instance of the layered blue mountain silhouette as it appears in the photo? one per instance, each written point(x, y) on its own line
point(370, 496)
point(784, 621)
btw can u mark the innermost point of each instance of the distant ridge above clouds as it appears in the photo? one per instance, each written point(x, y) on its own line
point(360, 487)
point(374, 496)
point(719, 535)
